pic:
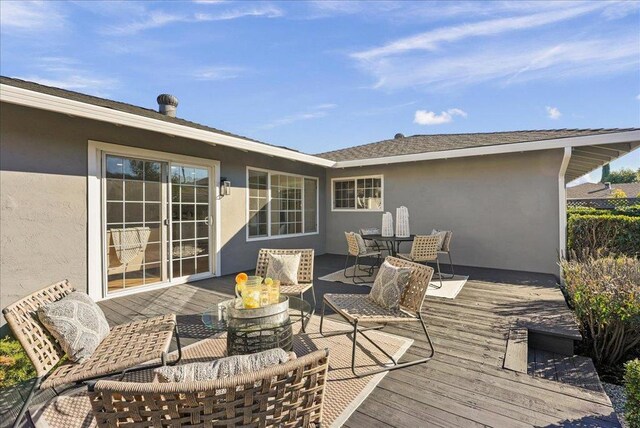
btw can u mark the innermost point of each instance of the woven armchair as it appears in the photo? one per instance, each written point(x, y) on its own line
point(305, 273)
point(359, 309)
point(126, 346)
point(424, 250)
point(287, 395)
point(353, 250)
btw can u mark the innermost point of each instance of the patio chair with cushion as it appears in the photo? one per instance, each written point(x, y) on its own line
point(125, 347)
point(305, 272)
point(424, 250)
point(446, 249)
point(359, 309)
point(372, 243)
point(357, 248)
point(286, 395)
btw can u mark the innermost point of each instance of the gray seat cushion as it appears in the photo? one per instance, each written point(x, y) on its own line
point(77, 323)
point(223, 367)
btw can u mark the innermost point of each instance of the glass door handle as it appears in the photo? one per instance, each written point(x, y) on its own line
point(207, 221)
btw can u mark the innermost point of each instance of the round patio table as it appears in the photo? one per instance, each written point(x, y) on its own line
point(392, 242)
point(250, 335)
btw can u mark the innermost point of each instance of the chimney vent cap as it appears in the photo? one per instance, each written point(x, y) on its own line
point(167, 99)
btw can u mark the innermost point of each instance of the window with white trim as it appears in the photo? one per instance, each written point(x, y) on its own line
point(281, 204)
point(357, 193)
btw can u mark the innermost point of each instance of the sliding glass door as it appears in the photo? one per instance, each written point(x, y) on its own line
point(190, 218)
point(157, 223)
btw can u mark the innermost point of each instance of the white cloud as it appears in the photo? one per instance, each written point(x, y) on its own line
point(508, 64)
point(638, 97)
point(315, 112)
point(423, 117)
point(30, 16)
point(68, 73)
point(432, 40)
point(553, 113)
point(217, 73)
point(155, 19)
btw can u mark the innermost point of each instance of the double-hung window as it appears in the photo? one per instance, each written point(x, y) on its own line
point(281, 204)
point(357, 193)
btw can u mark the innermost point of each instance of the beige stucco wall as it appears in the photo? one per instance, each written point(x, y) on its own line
point(43, 196)
point(503, 209)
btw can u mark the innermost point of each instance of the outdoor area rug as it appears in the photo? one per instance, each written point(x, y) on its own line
point(344, 392)
point(449, 290)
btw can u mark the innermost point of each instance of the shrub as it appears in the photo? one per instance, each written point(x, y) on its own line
point(605, 295)
point(632, 388)
point(15, 366)
point(632, 211)
point(618, 234)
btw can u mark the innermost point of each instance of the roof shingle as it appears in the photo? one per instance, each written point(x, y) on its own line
point(600, 191)
point(439, 142)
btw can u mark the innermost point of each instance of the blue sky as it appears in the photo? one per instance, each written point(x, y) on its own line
point(318, 76)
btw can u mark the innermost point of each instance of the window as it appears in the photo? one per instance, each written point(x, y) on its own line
point(358, 194)
point(281, 204)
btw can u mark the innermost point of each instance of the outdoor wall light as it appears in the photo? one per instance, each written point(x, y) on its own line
point(225, 186)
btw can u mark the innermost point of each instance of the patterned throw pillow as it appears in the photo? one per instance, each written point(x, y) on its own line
point(77, 323)
point(223, 367)
point(442, 234)
point(362, 246)
point(283, 268)
point(389, 284)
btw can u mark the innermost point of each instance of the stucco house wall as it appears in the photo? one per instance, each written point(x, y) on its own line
point(43, 196)
point(503, 209)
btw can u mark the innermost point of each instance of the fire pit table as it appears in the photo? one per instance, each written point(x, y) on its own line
point(254, 330)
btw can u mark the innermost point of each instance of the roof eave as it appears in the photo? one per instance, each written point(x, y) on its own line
point(588, 140)
point(20, 96)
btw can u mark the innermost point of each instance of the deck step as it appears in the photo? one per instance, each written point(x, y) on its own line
point(515, 358)
point(572, 370)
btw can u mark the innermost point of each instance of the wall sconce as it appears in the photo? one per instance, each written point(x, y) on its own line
point(225, 186)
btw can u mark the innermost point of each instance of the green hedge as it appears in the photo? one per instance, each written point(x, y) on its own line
point(631, 211)
point(632, 387)
point(15, 366)
point(618, 234)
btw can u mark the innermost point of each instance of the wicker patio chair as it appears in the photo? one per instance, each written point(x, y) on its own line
point(353, 250)
point(446, 249)
point(286, 395)
point(359, 309)
point(305, 274)
point(424, 250)
point(126, 346)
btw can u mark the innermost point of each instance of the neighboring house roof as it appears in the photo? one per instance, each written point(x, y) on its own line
point(601, 191)
point(440, 142)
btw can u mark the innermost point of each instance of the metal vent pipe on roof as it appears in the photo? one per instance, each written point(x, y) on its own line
point(167, 104)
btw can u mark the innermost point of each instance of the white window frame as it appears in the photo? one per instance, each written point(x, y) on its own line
point(96, 272)
point(269, 236)
point(355, 180)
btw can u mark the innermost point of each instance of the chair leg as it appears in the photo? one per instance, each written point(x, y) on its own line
point(395, 365)
point(451, 264)
point(439, 273)
point(357, 279)
point(25, 406)
point(337, 333)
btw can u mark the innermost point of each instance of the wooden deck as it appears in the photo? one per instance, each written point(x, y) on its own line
point(465, 384)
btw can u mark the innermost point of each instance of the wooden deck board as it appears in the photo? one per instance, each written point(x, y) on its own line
point(465, 384)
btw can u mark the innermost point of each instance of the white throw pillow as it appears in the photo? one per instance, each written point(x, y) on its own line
point(442, 234)
point(283, 268)
point(223, 367)
point(389, 285)
point(77, 323)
